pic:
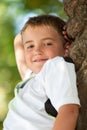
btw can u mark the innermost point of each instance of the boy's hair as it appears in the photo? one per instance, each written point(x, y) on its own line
point(48, 20)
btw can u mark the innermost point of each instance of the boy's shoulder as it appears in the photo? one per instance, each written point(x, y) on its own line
point(59, 59)
point(56, 64)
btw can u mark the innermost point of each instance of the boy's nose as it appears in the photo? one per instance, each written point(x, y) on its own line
point(38, 49)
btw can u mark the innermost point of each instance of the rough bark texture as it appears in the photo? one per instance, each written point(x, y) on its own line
point(77, 30)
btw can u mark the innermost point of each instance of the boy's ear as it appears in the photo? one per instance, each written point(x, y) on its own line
point(67, 46)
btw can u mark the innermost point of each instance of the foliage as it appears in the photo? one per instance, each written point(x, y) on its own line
point(10, 12)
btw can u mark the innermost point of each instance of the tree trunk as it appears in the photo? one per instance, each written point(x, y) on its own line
point(77, 30)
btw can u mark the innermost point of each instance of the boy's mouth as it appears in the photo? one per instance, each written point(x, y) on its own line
point(40, 60)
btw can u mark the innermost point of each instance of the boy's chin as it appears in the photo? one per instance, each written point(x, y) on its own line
point(37, 68)
point(36, 71)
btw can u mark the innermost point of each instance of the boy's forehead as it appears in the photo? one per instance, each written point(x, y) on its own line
point(44, 30)
point(38, 26)
point(40, 34)
point(41, 28)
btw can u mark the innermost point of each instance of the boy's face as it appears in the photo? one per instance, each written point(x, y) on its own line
point(41, 43)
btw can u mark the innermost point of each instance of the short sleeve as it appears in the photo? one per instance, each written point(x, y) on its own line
point(60, 82)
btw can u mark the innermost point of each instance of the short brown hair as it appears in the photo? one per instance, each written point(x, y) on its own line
point(48, 20)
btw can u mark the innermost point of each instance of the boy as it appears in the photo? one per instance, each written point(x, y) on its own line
point(48, 99)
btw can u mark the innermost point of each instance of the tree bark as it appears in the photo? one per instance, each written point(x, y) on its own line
point(77, 30)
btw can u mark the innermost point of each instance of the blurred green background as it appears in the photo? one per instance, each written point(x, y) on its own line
point(13, 14)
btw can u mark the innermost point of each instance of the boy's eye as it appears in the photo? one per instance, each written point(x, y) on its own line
point(48, 44)
point(30, 46)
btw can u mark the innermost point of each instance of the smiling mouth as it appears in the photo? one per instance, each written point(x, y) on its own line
point(40, 60)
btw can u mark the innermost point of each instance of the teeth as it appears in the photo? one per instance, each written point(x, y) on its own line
point(38, 60)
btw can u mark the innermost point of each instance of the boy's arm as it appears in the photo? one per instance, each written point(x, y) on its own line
point(62, 91)
point(19, 55)
point(67, 117)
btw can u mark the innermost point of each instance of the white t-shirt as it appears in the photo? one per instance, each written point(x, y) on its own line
point(43, 93)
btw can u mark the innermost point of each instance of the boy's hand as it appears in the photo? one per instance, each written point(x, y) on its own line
point(65, 35)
